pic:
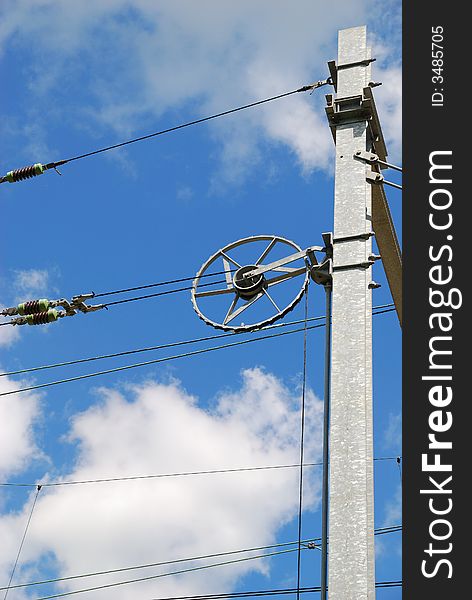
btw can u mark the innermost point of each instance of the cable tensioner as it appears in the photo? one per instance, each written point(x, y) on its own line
point(266, 289)
point(42, 311)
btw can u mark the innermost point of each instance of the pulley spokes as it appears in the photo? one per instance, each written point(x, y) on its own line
point(254, 280)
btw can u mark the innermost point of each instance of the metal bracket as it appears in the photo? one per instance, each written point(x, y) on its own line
point(354, 238)
point(333, 68)
point(361, 265)
point(323, 273)
point(328, 244)
point(357, 109)
point(358, 63)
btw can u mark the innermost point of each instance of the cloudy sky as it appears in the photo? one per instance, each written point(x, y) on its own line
point(81, 75)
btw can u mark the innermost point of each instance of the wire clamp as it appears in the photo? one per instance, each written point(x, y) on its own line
point(375, 178)
point(373, 159)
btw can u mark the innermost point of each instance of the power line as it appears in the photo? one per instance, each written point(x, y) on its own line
point(38, 168)
point(160, 475)
point(156, 564)
point(151, 348)
point(160, 360)
point(125, 300)
point(169, 345)
point(8, 587)
point(257, 593)
point(167, 475)
point(155, 361)
point(156, 294)
point(380, 531)
point(168, 574)
point(151, 362)
point(160, 283)
point(273, 592)
point(162, 346)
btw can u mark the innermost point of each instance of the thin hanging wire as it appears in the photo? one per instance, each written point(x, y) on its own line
point(302, 443)
point(38, 489)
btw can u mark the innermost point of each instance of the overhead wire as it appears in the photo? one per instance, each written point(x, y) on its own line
point(304, 88)
point(173, 344)
point(379, 531)
point(273, 592)
point(167, 574)
point(150, 362)
point(151, 348)
point(159, 475)
point(156, 294)
point(8, 587)
point(38, 168)
point(257, 593)
point(391, 529)
point(162, 346)
point(160, 360)
point(161, 283)
point(142, 297)
point(167, 475)
point(263, 593)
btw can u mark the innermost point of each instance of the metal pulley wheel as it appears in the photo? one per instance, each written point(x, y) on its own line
point(260, 286)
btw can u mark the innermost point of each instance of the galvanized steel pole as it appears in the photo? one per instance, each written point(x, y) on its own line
point(351, 506)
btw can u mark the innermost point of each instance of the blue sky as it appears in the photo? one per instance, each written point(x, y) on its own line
point(77, 76)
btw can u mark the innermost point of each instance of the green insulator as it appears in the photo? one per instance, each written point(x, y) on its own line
point(24, 173)
point(33, 306)
point(43, 317)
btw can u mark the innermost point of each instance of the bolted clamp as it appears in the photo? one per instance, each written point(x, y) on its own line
point(376, 178)
point(322, 273)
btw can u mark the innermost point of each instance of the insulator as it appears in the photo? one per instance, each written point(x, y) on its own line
point(24, 173)
point(42, 318)
point(33, 306)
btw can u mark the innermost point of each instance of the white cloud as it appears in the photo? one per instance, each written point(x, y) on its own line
point(8, 335)
point(146, 59)
point(30, 282)
point(184, 193)
point(393, 509)
point(156, 428)
point(18, 415)
point(392, 516)
point(389, 99)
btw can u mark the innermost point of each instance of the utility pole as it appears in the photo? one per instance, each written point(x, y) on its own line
point(353, 120)
point(360, 206)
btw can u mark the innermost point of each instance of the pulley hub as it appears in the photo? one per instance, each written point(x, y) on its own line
point(248, 287)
